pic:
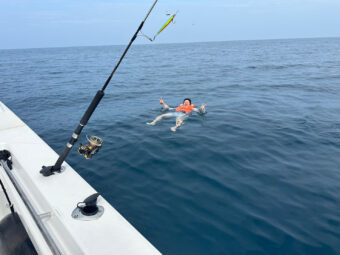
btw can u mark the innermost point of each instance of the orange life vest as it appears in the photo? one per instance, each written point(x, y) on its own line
point(186, 109)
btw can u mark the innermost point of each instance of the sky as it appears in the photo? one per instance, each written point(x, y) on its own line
point(60, 23)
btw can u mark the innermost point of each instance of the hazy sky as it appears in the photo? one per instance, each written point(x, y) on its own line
point(54, 23)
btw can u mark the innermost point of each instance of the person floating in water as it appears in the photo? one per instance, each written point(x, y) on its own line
point(181, 112)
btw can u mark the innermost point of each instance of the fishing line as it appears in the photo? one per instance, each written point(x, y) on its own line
point(49, 170)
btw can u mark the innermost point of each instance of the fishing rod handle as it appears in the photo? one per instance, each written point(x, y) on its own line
point(92, 107)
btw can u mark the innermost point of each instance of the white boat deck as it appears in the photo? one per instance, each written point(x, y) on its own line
point(58, 196)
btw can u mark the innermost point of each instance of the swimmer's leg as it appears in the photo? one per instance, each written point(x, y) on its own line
point(157, 119)
point(179, 122)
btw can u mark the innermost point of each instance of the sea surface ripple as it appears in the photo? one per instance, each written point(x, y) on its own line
point(258, 174)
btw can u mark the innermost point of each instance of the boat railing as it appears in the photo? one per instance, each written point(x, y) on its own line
point(49, 240)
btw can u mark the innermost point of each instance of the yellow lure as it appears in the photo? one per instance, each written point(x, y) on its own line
point(166, 24)
point(171, 19)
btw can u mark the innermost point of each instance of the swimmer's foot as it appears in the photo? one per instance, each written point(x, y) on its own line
point(151, 123)
point(173, 129)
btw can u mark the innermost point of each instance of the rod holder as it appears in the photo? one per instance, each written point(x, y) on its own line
point(50, 170)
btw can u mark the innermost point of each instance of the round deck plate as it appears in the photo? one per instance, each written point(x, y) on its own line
point(76, 214)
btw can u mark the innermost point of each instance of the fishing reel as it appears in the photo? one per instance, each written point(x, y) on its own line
point(90, 149)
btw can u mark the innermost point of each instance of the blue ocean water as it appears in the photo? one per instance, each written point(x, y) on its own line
point(258, 174)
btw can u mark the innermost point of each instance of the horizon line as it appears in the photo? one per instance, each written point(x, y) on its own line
point(235, 40)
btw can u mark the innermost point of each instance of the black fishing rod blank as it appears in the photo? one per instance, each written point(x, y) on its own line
point(49, 170)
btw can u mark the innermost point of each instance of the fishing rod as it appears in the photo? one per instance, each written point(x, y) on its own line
point(49, 170)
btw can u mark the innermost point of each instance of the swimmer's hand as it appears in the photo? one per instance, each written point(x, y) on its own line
point(202, 108)
point(161, 101)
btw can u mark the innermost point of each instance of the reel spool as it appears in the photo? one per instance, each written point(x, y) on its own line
point(90, 149)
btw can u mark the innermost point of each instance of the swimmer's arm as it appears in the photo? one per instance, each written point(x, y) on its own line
point(201, 110)
point(161, 101)
point(165, 106)
point(198, 110)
